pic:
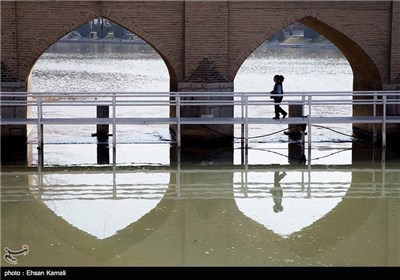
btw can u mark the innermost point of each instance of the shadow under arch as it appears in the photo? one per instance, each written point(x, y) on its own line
point(366, 74)
point(49, 40)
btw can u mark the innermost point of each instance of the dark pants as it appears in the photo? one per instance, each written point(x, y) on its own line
point(278, 108)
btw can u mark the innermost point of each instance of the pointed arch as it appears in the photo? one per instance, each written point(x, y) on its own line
point(362, 59)
point(47, 41)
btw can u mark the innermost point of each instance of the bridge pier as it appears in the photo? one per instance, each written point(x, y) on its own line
point(387, 134)
point(14, 137)
point(296, 131)
point(204, 134)
point(14, 131)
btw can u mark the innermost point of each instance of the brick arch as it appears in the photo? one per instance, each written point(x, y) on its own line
point(49, 40)
point(362, 59)
point(167, 57)
point(44, 43)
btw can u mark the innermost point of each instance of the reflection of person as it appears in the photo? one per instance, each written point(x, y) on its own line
point(277, 96)
point(277, 192)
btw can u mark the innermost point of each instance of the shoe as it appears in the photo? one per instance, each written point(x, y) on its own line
point(284, 115)
point(275, 118)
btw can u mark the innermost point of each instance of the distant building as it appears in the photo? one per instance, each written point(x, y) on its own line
point(93, 35)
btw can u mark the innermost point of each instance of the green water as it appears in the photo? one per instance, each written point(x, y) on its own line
point(199, 210)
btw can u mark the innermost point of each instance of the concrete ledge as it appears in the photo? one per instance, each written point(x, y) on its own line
point(13, 85)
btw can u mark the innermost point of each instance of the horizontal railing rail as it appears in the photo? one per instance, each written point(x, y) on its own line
point(40, 101)
point(242, 186)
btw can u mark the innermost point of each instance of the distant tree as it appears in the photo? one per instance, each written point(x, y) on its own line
point(119, 31)
point(84, 30)
point(310, 33)
point(101, 30)
point(281, 36)
point(102, 26)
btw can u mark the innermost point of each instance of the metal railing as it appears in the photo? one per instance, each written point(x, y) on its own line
point(179, 100)
point(43, 182)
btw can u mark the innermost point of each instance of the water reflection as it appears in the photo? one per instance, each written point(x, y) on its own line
point(203, 213)
point(277, 192)
point(265, 194)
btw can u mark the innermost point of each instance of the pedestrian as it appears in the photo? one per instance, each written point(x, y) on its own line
point(277, 96)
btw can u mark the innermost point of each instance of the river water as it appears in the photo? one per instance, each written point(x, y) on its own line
point(146, 203)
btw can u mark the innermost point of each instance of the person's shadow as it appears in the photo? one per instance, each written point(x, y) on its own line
point(277, 192)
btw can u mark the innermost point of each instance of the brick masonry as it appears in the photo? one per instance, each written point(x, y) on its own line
point(207, 41)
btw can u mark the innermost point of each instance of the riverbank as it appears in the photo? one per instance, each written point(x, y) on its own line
point(289, 42)
point(103, 41)
point(301, 42)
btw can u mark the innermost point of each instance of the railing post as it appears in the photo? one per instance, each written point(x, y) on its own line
point(384, 122)
point(40, 131)
point(374, 134)
point(39, 122)
point(114, 103)
point(178, 121)
point(114, 196)
point(303, 129)
point(246, 99)
point(242, 123)
point(309, 172)
point(309, 121)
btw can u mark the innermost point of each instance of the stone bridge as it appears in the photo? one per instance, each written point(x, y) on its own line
point(204, 43)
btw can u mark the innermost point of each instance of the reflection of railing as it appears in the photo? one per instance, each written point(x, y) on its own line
point(40, 101)
point(239, 185)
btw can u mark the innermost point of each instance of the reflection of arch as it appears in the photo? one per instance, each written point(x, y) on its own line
point(367, 76)
point(325, 233)
point(105, 248)
point(49, 40)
